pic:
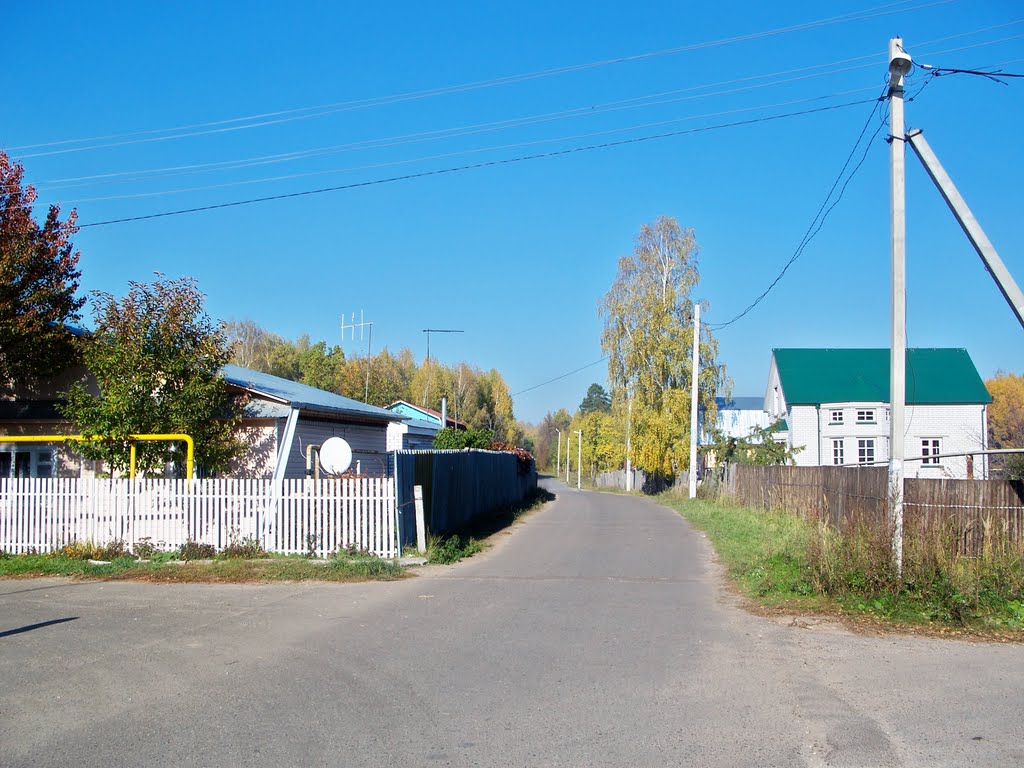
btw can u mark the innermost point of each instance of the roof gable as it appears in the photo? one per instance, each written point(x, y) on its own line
point(934, 376)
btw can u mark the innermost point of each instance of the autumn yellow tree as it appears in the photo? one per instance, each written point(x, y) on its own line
point(1006, 420)
point(648, 332)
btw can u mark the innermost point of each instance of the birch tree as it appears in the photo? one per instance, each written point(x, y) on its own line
point(647, 333)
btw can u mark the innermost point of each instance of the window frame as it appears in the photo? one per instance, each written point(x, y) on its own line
point(866, 416)
point(931, 447)
point(838, 451)
point(836, 416)
point(866, 450)
point(45, 455)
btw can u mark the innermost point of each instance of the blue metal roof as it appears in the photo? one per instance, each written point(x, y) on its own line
point(740, 403)
point(302, 396)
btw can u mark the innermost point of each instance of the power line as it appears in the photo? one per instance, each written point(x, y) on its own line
point(446, 133)
point(272, 118)
point(456, 169)
point(460, 153)
point(559, 378)
point(819, 218)
point(419, 137)
point(994, 75)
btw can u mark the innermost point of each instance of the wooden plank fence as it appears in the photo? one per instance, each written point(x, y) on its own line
point(293, 517)
point(968, 508)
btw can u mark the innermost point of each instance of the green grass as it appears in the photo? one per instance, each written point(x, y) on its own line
point(764, 552)
point(343, 568)
point(783, 561)
point(451, 549)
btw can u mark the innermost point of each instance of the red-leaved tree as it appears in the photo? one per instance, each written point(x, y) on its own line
point(38, 284)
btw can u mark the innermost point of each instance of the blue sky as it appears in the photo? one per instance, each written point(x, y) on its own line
point(519, 255)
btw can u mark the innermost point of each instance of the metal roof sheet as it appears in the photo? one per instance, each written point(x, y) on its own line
point(303, 396)
point(934, 376)
point(740, 403)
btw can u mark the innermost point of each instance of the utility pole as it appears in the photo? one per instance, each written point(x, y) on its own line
point(899, 65)
point(629, 441)
point(579, 459)
point(693, 401)
point(558, 459)
point(989, 257)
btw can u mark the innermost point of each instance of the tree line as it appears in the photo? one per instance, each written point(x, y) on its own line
point(477, 398)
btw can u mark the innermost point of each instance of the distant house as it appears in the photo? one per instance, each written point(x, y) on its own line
point(420, 425)
point(836, 406)
point(737, 418)
point(421, 413)
point(283, 420)
point(412, 435)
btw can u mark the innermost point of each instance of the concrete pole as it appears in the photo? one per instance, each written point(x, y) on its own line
point(579, 459)
point(568, 455)
point(898, 351)
point(558, 459)
point(629, 442)
point(693, 401)
point(989, 257)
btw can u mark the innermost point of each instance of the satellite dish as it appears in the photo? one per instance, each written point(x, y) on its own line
point(335, 456)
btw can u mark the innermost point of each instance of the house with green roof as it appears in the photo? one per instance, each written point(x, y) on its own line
point(836, 406)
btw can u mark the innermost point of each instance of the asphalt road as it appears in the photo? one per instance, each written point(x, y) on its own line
point(594, 634)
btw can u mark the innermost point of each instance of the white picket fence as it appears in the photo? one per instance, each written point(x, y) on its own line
point(295, 516)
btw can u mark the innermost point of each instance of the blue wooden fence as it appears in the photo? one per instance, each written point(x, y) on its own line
point(459, 487)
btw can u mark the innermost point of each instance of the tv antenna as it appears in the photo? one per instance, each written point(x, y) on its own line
point(363, 326)
point(429, 331)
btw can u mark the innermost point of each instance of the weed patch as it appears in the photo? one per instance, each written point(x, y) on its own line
point(451, 549)
point(781, 559)
point(234, 570)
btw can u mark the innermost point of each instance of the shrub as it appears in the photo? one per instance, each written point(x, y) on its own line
point(457, 439)
point(145, 548)
point(244, 549)
point(75, 550)
point(114, 550)
point(193, 550)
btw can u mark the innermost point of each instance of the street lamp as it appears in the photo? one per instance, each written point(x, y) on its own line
point(558, 459)
point(568, 456)
point(579, 459)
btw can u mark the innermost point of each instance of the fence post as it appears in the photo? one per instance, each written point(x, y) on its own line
point(421, 524)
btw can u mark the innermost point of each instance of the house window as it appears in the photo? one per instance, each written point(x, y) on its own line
point(26, 462)
point(835, 417)
point(866, 416)
point(837, 451)
point(930, 449)
point(866, 451)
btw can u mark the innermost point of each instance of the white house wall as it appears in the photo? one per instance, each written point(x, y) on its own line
point(774, 398)
point(260, 438)
point(803, 432)
point(959, 428)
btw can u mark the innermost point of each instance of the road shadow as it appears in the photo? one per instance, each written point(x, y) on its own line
point(483, 526)
point(40, 625)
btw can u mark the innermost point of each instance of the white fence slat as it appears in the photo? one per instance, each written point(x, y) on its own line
point(43, 514)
